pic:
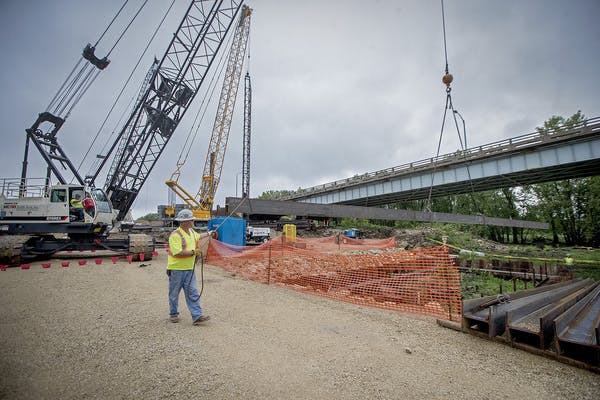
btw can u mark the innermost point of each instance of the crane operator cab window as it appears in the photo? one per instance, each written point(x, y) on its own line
point(76, 204)
point(58, 196)
point(100, 201)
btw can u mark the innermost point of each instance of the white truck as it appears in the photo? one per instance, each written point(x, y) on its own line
point(258, 235)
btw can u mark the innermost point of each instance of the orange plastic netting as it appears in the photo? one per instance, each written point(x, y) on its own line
point(361, 271)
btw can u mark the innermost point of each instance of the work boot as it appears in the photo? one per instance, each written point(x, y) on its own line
point(201, 319)
point(174, 318)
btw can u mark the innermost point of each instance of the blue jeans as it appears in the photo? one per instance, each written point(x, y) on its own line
point(185, 280)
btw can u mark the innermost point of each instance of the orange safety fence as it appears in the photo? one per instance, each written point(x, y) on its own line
point(362, 271)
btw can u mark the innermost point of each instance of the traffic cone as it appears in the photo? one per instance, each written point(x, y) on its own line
point(142, 256)
point(82, 262)
point(64, 264)
point(114, 259)
point(46, 265)
point(25, 266)
point(98, 261)
point(129, 258)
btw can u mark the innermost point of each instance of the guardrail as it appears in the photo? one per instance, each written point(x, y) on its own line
point(13, 188)
point(586, 127)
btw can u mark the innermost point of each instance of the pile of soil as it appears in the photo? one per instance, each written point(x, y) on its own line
point(406, 238)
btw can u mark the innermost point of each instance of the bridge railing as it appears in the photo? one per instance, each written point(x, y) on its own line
point(591, 125)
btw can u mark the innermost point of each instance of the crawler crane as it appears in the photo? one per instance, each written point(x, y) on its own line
point(36, 217)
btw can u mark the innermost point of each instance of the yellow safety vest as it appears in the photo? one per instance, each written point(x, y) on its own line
point(76, 203)
point(569, 261)
point(178, 242)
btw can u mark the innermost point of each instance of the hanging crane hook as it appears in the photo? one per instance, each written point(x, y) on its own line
point(447, 80)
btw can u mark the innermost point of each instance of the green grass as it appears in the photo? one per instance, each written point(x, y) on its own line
point(587, 262)
point(474, 284)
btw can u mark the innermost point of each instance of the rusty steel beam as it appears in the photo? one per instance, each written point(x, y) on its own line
point(577, 331)
point(311, 210)
point(533, 323)
point(492, 320)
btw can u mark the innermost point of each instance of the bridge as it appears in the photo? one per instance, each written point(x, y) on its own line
point(526, 159)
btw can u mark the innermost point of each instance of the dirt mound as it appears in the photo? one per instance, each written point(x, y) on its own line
point(406, 238)
point(417, 237)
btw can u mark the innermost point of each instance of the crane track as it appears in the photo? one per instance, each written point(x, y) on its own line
point(10, 248)
point(140, 243)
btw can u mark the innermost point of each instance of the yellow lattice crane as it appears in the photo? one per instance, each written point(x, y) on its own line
point(201, 204)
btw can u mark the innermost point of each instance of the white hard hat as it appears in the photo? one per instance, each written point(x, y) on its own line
point(185, 215)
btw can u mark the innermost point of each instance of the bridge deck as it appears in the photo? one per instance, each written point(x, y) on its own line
point(526, 159)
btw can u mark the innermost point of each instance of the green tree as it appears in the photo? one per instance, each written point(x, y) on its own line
point(149, 217)
point(592, 217)
point(570, 206)
point(274, 194)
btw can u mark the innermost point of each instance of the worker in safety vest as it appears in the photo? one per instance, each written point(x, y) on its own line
point(183, 248)
point(569, 262)
point(77, 206)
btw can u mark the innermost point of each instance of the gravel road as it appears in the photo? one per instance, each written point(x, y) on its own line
point(101, 331)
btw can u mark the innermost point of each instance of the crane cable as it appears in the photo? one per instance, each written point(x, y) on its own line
point(248, 52)
point(109, 139)
point(199, 118)
point(221, 68)
point(447, 80)
point(81, 71)
point(211, 235)
point(77, 83)
point(111, 22)
point(127, 27)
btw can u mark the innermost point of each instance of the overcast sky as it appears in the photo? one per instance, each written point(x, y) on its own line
point(339, 87)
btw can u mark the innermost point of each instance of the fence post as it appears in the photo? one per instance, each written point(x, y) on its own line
point(446, 267)
point(269, 266)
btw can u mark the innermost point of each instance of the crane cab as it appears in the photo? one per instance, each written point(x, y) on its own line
point(37, 208)
point(94, 208)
